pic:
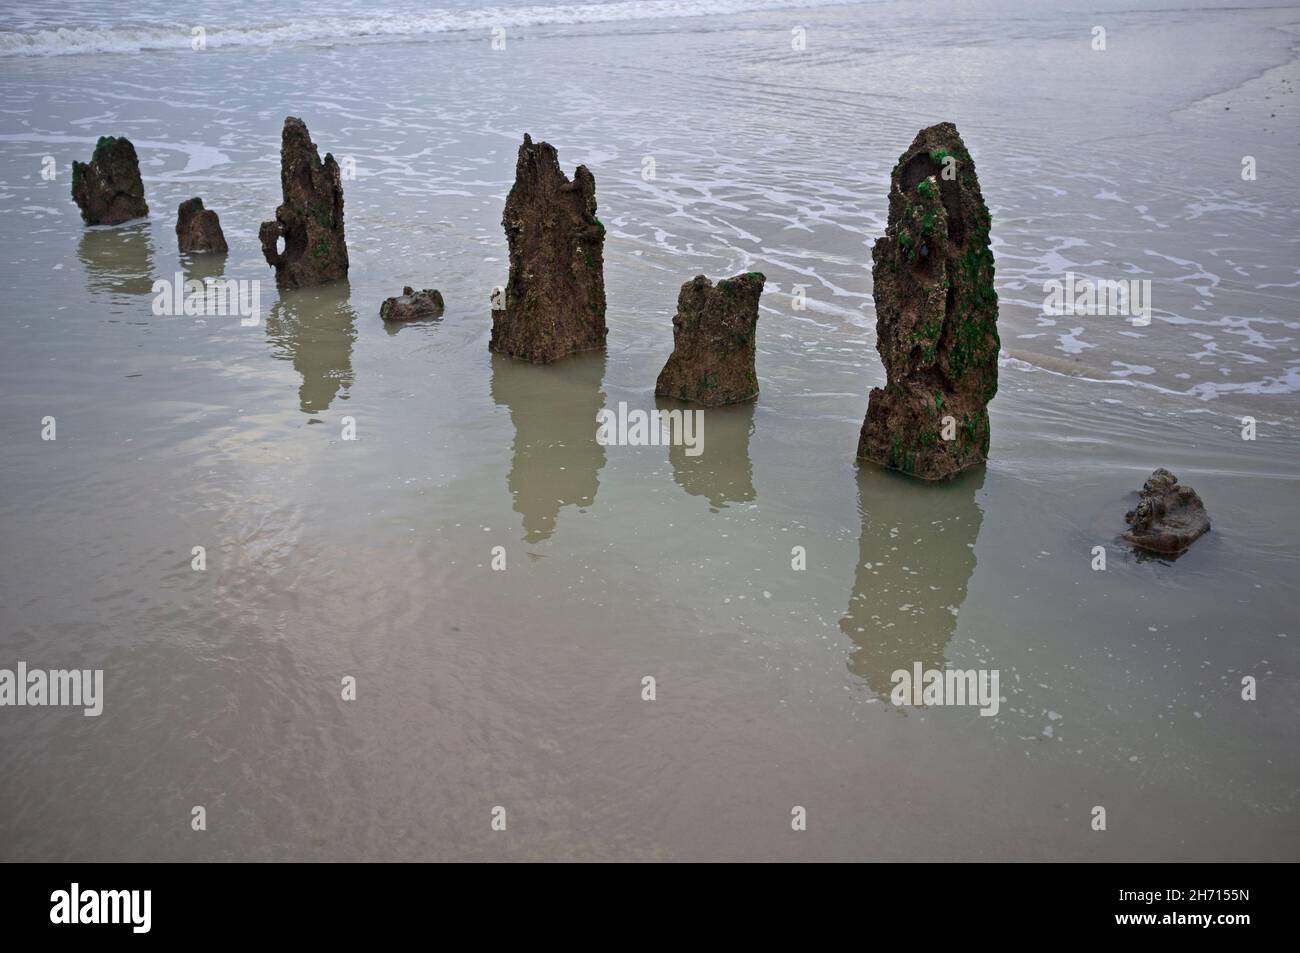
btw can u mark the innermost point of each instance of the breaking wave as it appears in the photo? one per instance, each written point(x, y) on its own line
point(307, 30)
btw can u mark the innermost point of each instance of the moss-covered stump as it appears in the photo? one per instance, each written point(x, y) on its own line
point(555, 298)
point(198, 229)
point(714, 333)
point(108, 189)
point(310, 220)
point(936, 315)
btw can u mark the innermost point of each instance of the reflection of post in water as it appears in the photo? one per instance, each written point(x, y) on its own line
point(557, 460)
point(915, 560)
point(315, 328)
point(118, 259)
point(722, 471)
point(211, 265)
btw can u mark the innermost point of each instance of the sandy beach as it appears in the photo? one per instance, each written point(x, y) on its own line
point(372, 558)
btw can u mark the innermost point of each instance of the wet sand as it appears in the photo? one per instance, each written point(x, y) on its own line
point(477, 688)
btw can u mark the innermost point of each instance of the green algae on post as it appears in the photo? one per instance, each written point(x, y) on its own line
point(310, 219)
point(108, 189)
point(714, 342)
point(936, 315)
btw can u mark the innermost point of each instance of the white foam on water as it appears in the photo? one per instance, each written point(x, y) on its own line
point(123, 39)
point(198, 156)
point(1288, 382)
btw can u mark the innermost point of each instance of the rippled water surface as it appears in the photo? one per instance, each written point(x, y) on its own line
point(372, 558)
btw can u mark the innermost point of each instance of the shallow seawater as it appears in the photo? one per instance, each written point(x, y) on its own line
point(522, 688)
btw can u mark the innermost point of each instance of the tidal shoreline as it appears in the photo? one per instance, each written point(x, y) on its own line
point(475, 688)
